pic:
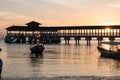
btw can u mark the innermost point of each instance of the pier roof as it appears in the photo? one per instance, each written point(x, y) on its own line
point(42, 28)
point(33, 22)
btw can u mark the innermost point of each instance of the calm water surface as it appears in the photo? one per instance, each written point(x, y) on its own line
point(58, 60)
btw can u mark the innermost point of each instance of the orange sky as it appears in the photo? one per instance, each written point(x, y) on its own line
point(59, 12)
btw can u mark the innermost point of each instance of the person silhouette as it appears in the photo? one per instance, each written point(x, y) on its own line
point(1, 65)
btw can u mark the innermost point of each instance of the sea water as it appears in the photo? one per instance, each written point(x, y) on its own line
point(58, 60)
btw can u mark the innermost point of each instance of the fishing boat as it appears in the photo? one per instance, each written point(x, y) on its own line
point(37, 49)
point(109, 50)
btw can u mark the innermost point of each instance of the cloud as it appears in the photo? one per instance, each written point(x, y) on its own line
point(114, 5)
point(12, 16)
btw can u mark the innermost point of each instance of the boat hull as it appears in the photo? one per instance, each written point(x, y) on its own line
point(109, 53)
point(37, 50)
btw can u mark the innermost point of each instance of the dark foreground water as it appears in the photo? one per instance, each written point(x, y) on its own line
point(59, 62)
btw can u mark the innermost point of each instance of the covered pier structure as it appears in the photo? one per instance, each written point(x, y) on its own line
point(33, 32)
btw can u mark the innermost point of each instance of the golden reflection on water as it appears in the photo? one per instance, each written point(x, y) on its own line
point(106, 46)
point(58, 60)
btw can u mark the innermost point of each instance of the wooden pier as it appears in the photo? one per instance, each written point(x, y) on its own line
point(49, 35)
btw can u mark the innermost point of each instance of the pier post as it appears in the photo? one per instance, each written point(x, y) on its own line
point(67, 39)
point(88, 38)
point(77, 39)
point(88, 42)
point(65, 42)
point(99, 38)
point(111, 38)
point(68, 42)
point(76, 42)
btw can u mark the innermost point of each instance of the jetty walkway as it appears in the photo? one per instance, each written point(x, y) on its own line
point(34, 32)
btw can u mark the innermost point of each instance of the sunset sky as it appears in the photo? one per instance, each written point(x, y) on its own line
point(59, 12)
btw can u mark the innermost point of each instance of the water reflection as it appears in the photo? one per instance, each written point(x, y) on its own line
point(118, 64)
point(58, 60)
point(36, 64)
point(36, 61)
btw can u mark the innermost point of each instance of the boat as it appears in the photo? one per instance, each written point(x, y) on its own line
point(109, 50)
point(37, 49)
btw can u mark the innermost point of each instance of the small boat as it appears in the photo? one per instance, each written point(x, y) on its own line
point(37, 49)
point(0, 49)
point(109, 50)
